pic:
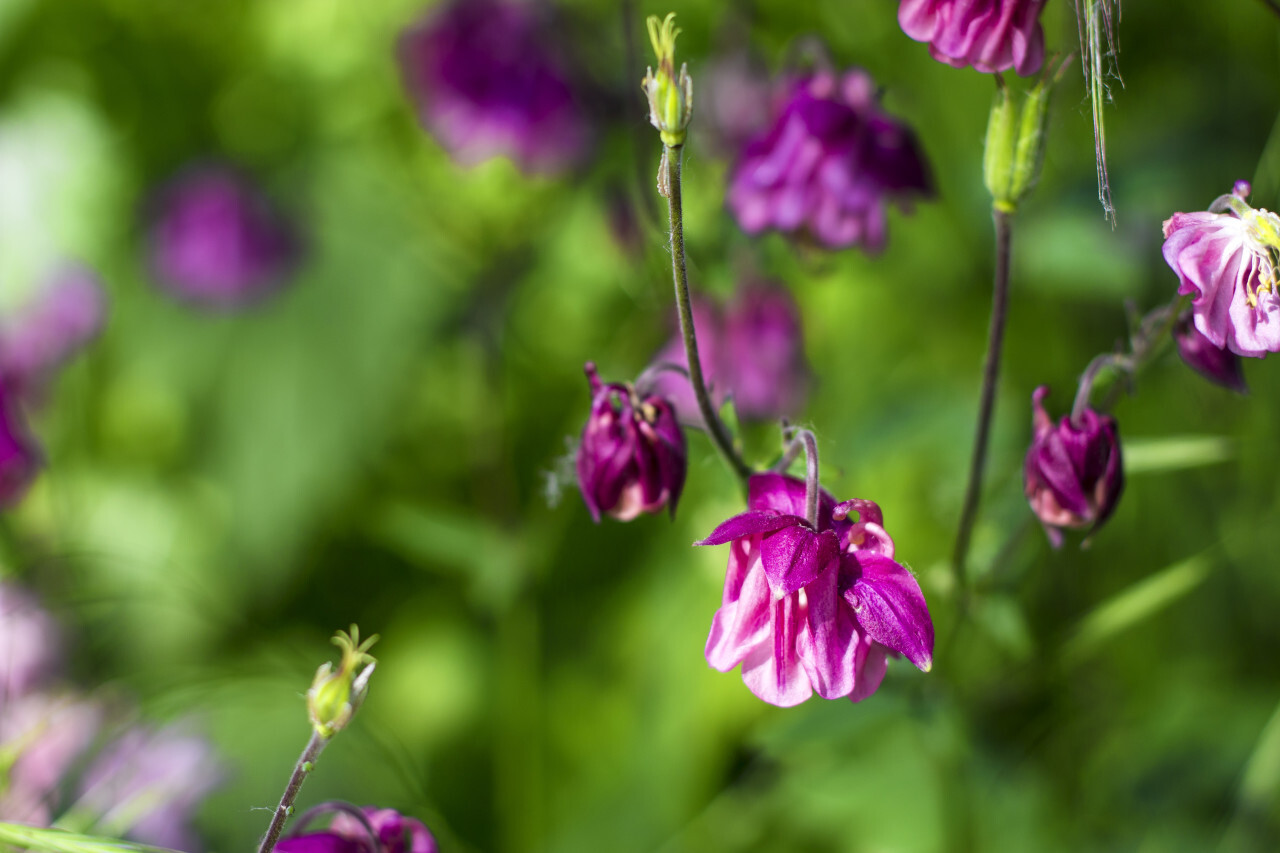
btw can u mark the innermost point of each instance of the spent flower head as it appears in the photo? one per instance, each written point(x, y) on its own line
point(334, 696)
point(670, 96)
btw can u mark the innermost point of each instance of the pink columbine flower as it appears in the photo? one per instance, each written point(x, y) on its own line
point(346, 834)
point(632, 456)
point(1073, 474)
point(751, 351)
point(217, 241)
point(1225, 259)
point(1217, 364)
point(828, 166)
point(813, 609)
point(64, 317)
point(20, 456)
point(488, 81)
point(990, 35)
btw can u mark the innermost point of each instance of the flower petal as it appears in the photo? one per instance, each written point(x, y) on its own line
point(891, 608)
point(749, 524)
point(794, 556)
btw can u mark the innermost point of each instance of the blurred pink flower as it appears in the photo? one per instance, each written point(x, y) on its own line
point(20, 456)
point(29, 643)
point(47, 735)
point(67, 313)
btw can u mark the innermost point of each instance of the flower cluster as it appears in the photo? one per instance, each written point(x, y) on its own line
point(813, 607)
point(829, 165)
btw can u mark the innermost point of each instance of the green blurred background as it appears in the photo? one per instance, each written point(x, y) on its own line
point(223, 491)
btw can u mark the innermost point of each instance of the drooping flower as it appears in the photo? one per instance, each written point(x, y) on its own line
point(347, 834)
point(29, 643)
point(632, 455)
point(752, 351)
point(488, 81)
point(813, 609)
point(1073, 474)
point(990, 35)
point(20, 456)
point(1217, 364)
point(1225, 259)
point(216, 240)
point(829, 165)
point(67, 314)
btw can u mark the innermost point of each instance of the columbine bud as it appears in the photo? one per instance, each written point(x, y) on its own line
point(1073, 473)
point(1014, 151)
point(1217, 364)
point(334, 696)
point(670, 97)
point(632, 455)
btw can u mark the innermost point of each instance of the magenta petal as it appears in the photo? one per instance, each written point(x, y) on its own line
point(742, 622)
point(773, 670)
point(829, 641)
point(872, 663)
point(891, 608)
point(794, 556)
point(749, 524)
point(321, 842)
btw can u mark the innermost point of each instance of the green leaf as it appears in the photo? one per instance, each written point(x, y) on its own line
point(1175, 452)
point(34, 838)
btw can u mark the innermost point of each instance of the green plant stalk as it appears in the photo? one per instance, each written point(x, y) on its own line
point(306, 763)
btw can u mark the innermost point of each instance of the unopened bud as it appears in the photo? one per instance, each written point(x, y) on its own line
point(1015, 142)
point(670, 96)
point(335, 695)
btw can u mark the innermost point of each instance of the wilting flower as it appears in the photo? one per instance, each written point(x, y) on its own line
point(829, 165)
point(1217, 364)
point(990, 35)
point(1225, 259)
point(813, 608)
point(488, 81)
point(147, 785)
point(20, 456)
point(66, 315)
point(217, 240)
point(632, 455)
point(1073, 474)
point(29, 642)
point(752, 351)
point(347, 834)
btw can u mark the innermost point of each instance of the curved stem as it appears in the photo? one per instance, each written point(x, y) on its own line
point(805, 438)
point(332, 806)
point(990, 378)
point(715, 427)
point(306, 763)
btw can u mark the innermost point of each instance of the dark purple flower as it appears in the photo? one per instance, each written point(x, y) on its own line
point(1073, 475)
point(813, 609)
point(216, 240)
point(990, 35)
point(752, 351)
point(632, 455)
point(346, 834)
point(828, 166)
point(29, 643)
point(20, 456)
point(1225, 259)
point(1217, 364)
point(66, 315)
point(488, 81)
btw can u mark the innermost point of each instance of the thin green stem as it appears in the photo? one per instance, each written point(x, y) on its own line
point(715, 427)
point(986, 406)
point(306, 763)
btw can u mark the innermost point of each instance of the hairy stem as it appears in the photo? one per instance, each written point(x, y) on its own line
point(986, 406)
point(715, 427)
point(306, 763)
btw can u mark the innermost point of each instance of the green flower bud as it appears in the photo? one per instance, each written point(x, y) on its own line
point(334, 695)
point(1015, 143)
point(670, 97)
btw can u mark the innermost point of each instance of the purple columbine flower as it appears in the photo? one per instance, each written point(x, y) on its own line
point(1225, 259)
point(29, 643)
point(346, 834)
point(632, 455)
point(20, 456)
point(1073, 474)
point(813, 609)
point(66, 315)
point(488, 81)
point(1217, 364)
point(829, 165)
point(990, 35)
point(752, 351)
point(217, 241)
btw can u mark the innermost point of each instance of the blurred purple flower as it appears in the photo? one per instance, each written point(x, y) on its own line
point(990, 35)
point(1217, 364)
point(66, 315)
point(216, 240)
point(29, 643)
point(753, 351)
point(808, 609)
point(1225, 260)
point(45, 735)
point(1073, 474)
point(632, 456)
point(346, 834)
point(147, 784)
point(829, 165)
point(735, 100)
point(488, 81)
point(20, 456)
